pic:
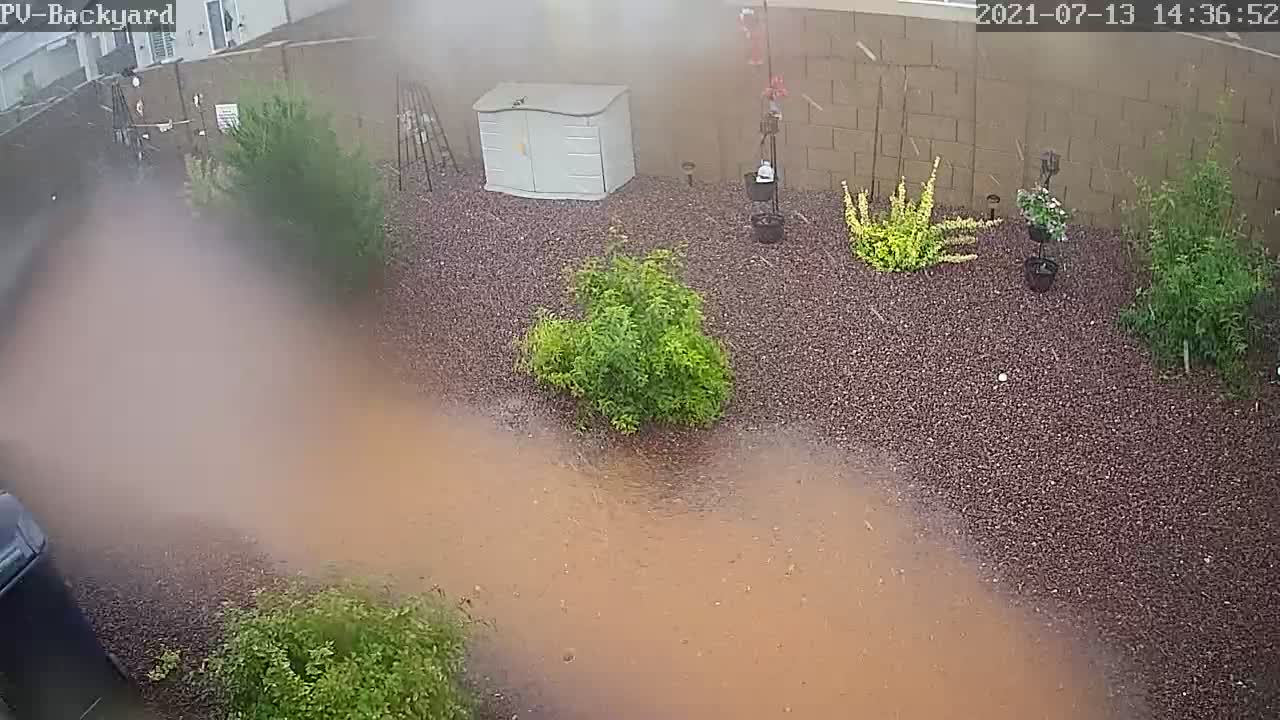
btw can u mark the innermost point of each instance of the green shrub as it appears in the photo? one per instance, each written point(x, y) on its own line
point(640, 353)
point(208, 182)
point(325, 202)
point(336, 655)
point(1204, 276)
point(907, 238)
point(166, 663)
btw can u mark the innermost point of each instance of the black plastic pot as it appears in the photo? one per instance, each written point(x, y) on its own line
point(1038, 233)
point(768, 226)
point(1039, 273)
point(758, 191)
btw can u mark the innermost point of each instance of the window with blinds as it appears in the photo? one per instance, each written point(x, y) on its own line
point(161, 45)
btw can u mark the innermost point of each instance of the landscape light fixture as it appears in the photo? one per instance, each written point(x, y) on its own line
point(688, 167)
point(992, 201)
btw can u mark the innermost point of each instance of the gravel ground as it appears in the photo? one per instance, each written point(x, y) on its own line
point(1146, 503)
point(146, 597)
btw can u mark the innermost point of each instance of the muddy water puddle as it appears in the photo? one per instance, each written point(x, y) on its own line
point(165, 380)
point(806, 593)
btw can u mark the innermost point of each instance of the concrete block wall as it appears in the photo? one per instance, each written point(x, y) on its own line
point(1113, 105)
point(871, 96)
point(355, 84)
point(336, 75)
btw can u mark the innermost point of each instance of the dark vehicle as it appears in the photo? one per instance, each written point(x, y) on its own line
point(52, 666)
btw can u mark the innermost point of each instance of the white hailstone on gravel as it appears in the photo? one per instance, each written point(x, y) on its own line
point(1003, 377)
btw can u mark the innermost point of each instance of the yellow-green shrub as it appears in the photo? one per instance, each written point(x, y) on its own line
point(907, 238)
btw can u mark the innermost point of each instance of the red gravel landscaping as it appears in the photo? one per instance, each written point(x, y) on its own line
point(1147, 504)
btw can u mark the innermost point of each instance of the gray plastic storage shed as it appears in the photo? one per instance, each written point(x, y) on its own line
point(556, 141)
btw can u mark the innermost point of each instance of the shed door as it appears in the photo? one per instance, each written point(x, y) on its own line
point(504, 142)
point(566, 154)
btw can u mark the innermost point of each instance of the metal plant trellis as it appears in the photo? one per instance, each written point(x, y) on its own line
point(121, 116)
point(420, 135)
point(1049, 165)
point(768, 225)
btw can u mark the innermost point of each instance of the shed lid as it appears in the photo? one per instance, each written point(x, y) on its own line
point(561, 99)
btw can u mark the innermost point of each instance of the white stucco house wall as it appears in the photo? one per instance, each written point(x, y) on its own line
point(31, 61)
point(209, 26)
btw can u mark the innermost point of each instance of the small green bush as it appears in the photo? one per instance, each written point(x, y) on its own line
point(1204, 276)
point(336, 655)
point(906, 239)
point(325, 202)
point(166, 663)
point(640, 353)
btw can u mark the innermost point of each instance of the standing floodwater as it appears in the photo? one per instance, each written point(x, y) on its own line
point(154, 378)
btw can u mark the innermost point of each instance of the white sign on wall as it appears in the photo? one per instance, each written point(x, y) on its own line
point(228, 116)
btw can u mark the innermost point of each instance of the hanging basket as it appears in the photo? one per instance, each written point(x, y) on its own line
point(758, 191)
point(769, 124)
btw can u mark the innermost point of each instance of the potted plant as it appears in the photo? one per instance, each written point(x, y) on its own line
point(1046, 221)
point(768, 226)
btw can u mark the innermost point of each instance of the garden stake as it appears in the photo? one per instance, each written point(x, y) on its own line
point(1048, 168)
point(773, 139)
point(399, 149)
point(903, 135)
point(876, 133)
point(204, 128)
